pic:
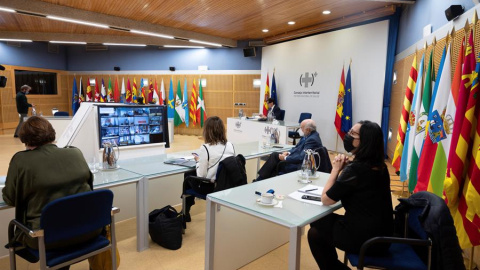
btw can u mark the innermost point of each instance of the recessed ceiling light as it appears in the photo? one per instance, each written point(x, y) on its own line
point(15, 40)
point(7, 9)
point(204, 42)
point(150, 34)
point(291, 22)
point(326, 12)
point(77, 21)
point(265, 30)
point(68, 42)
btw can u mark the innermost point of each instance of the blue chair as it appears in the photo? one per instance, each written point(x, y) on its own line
point(402, 254)
point(294, 134)
point(61, 113)
point(66, 219)
point(281, 115)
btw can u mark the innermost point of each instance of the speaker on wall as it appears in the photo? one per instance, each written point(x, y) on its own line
point(116, 68)
point(3, 81)
point(249, 52)
point(172, 68)
point(453, 11)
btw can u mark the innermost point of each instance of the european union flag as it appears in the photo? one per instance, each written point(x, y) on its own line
point(347, 104)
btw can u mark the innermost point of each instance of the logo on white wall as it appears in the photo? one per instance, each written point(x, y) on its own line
point(307, 88)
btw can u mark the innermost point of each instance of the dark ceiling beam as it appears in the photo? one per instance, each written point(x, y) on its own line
point(43, 8)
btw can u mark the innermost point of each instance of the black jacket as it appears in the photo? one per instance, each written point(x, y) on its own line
point(231, 173)
point(437, 222)
point(22, 104)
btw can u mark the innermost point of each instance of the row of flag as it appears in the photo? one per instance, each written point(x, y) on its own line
point(269, 94)
point(178, 108)
point(343, 114)
point(438, 138)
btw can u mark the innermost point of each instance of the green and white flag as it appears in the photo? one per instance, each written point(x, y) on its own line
point(179, 110)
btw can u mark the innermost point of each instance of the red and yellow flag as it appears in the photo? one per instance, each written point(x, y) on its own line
point(407, 104)
point(266, 97)
point(129, 92)
point(89, 96)
point(339, 112)
point(193, 104)
point(150, 92)
point(97, 92)
point(134, 91)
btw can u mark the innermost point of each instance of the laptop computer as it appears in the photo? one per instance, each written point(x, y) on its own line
point(181, 162)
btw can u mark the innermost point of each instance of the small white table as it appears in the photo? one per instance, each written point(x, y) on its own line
point(294, 214)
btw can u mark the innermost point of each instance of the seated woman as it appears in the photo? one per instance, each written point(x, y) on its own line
point(215, 149)
point(41, 174)
point(364, 189)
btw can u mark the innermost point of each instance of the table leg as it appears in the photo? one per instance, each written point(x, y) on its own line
point(210, 234)
point(294, 248)
point(142, 215)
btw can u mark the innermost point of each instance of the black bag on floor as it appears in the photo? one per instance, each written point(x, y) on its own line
point(165, 227)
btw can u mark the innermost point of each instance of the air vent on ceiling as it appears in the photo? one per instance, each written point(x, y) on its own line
point(14, 44)
point(53, 48)
point(96, 47)
point(256, 43)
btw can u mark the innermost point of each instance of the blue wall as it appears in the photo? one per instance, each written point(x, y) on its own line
point(76, 58)
point(415, 17)
point(33, 54)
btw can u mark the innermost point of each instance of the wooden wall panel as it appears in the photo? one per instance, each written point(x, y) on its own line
point(396, 104)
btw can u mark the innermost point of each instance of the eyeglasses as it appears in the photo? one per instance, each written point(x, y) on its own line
point(351, 132)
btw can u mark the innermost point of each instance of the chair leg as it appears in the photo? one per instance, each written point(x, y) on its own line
point(13, 263)
point(113, 242)
point(345, 259)
point(184, 203)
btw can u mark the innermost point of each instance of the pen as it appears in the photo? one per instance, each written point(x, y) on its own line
point(258, 193)
point(311, 189)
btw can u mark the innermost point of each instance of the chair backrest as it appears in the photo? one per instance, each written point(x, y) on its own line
point(61, 113)
point(304, 116)
point(76, 215)
point(325, 163)
point(231, 173)
point(281, 115)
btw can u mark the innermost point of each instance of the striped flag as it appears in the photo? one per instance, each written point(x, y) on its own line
point(116, 92)
point(129, 97)
point(274, 89)
point(407, 104)
point(156, 97)
point(193, 104)
point(150, 91)
point(339, 112)
point(265, 97)
point(419, 132)
point(459, 145)
point(97, 91)
point(171, 101)
point(89, 96)
point(435, 130)
point(347, 104)
point(110, 91)
point(134, 91)
point(412, 124)
point(185, 102)
point(201, 111)
point(123, 92)
point(103, 94)
point(179, 111)
point(162, 94)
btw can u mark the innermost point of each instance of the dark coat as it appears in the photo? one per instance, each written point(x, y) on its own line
point(276, 112)
point(437, 222)
point(231, 173)
point(295, 159)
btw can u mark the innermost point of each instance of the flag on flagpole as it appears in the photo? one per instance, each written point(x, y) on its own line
point(89, 96)
point(116, 92)
point(179, 111)
point(141, 91)
point(193, 104)
point(156, 98)
point(129, 97)
point(123, 92)
point(412, 124)
point(347, 104)
point(75, 102)
point(162, 94)
point(407, 104)
point(185, 103)
point(134, 91)
point(265, 98)
point(171, 101)
point(103, 95)
point(340, 100)
point(457, 154)
point(201, 111)
point(435, 129)
point(81, 97)
point(110, 91)
point(150, 91)
point(274, 89)
point(97, 91)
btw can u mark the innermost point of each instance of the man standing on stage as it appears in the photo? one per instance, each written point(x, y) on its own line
point(22, 106)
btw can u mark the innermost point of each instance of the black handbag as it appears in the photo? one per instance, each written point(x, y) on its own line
point(165, 227)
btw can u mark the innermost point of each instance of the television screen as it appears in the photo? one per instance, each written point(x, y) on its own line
point(133, 125)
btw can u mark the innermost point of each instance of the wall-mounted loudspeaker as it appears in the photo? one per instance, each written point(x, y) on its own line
point(3, 81)
point(453, 12)
point(116, 68)
point(172, 68)
point(249, 52)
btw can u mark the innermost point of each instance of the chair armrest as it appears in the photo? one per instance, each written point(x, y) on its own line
point(15, 223)
point(199, 179)
point(115, 210)
point(376, 240)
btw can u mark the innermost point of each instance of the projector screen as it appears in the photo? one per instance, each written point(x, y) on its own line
point(308, 70)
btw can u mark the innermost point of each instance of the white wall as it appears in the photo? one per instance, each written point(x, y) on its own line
point(324, 55)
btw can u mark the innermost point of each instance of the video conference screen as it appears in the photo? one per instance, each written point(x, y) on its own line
point(132, 125)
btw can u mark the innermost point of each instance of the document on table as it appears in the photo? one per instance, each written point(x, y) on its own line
point(311, 190)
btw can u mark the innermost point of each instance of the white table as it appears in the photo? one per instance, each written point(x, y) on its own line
point(250, 130)
point(294, 215)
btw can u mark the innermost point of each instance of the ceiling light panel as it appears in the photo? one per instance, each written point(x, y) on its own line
point(77, 21)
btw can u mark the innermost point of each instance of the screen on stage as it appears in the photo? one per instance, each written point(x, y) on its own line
point(132, 125)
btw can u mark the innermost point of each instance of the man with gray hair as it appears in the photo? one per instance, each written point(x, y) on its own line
point(294, 157)
point(22, 106)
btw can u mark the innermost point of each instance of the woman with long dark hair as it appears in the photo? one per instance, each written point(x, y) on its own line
point(363, 186)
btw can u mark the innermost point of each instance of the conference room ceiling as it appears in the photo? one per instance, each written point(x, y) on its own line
point(217, 21)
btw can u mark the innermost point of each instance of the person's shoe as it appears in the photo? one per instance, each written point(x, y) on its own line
point(187, 217)
point(15, 136)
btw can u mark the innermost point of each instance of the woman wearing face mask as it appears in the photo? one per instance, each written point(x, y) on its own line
point(363, 186)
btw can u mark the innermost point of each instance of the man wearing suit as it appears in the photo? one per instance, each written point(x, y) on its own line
point(273, 108)
point(294, 157)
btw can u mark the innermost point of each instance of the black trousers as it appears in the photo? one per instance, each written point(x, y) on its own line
point(269, 169)
point(198, 186)
point(20, 123)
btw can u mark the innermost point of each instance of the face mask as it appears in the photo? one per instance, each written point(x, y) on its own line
point(300, 132)
point(348, 143)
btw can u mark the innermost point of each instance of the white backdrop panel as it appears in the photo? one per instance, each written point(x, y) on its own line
point(324, 55)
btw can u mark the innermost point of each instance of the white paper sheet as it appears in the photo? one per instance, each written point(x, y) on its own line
point(297, 195)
